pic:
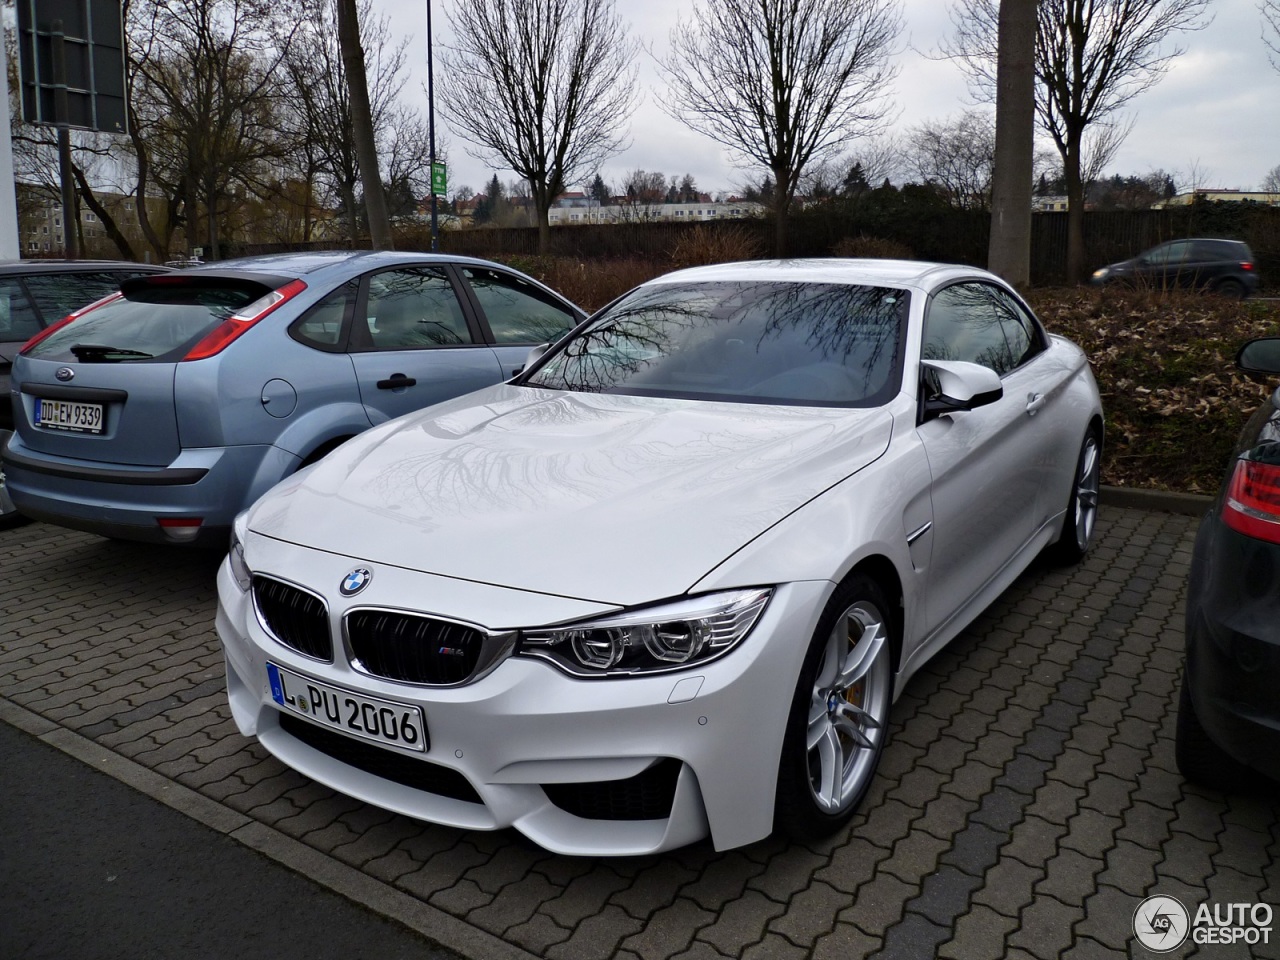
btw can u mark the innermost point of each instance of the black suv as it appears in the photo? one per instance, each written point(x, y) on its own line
point(34, 294)
point(1224, 267)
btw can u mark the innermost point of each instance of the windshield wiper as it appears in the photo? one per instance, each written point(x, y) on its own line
point(94, 353)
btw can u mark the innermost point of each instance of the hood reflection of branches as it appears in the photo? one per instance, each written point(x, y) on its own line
point(650, 340)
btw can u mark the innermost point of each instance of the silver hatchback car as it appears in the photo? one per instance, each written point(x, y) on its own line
point(161, 411)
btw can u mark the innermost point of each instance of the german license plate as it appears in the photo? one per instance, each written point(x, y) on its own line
point(69, 415)
point(382, 721)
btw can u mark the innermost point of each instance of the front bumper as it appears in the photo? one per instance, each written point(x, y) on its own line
point(527, 746)
point(1233, 643)
point(128, 502)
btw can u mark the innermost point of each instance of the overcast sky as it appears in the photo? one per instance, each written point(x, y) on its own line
point(1215, 114)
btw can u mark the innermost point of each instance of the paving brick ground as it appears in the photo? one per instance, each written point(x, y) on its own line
point(1026, 803)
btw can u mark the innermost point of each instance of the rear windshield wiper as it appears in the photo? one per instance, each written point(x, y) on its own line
point(94, 353)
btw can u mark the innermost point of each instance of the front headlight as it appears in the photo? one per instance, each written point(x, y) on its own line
point(659, 638)
point(239, 569)
point(1100, 273)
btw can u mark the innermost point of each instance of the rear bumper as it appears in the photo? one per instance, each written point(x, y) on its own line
point(129, 502)
point(1233, 644)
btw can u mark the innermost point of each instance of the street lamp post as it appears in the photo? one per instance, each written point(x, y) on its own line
point(431, 133)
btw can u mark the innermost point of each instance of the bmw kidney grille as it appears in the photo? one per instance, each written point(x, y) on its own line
point(296, 618)
point(412, 649)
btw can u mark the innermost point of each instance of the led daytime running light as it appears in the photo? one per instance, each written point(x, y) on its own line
point(656, 638)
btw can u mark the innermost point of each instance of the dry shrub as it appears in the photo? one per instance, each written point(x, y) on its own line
point(590, 283)
point(1165, 364)
point(877, 248)
point(721, 244)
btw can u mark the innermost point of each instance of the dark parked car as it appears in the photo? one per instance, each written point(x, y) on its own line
point(35, 294)
point(1225, 267)
point(1229, 711)
point(161, 413)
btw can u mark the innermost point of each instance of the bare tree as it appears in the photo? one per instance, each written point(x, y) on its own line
point(1013, 163)
point(783, 83)
point(957, 156)
point(1271, 182)
point(643, 193)
point(1092, 58)
point(375, 202)
point(543, 86)
point(320, 102)
point(204, 91)
point(1270, 10)
point(1196, 176)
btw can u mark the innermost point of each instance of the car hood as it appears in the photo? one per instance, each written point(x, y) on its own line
point(617, 499)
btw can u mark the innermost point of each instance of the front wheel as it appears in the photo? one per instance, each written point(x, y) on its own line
point(1082, 506)
point(836, 729)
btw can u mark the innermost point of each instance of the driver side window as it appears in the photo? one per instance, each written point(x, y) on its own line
point(965, 322)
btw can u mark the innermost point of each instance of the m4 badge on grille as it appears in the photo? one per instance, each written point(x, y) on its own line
point(355, 581)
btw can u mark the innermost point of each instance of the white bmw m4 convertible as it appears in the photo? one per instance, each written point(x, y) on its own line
point(665, 583)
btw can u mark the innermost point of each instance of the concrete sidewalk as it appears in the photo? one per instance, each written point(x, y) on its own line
point(1025, 805)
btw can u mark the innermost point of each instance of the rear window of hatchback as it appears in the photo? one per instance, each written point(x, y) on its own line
point(152, 322)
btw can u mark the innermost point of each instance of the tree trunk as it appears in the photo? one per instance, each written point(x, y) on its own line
point(1075, 207)
point(1009, 251)
point(104, 215)
point(781, 208)
point(375, 201)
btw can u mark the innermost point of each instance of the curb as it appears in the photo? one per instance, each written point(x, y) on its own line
point(1162, 501)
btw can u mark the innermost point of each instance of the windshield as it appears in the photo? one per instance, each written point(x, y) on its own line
point(150, 322)
point(746, 341)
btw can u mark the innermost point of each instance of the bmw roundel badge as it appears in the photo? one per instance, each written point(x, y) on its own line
point(64, 374)
point(355, 581)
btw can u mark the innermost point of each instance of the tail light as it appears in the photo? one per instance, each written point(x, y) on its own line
point(1252, 503)
point(67, 319)
point(217, 339)
point(1246, 265)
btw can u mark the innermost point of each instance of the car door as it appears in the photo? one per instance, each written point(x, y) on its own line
point(1166, 266)
point(986, 485)
point(414, 343)
point(517, 314)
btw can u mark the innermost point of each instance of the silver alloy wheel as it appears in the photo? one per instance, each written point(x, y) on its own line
point(848, 708)
point(1087, 491)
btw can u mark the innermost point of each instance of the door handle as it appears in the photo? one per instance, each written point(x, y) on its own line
point(1034, 402)
point(396, 381)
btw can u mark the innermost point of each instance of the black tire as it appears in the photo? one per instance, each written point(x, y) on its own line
point(1202, 761)
point(1076, 535)
point(839, 714)
point(1230, 288)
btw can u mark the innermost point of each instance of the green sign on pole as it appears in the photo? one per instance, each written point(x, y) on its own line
point(439, 180)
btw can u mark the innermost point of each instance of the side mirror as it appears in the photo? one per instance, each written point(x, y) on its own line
point(962, 386)
point(532, 358)
point(1260, 359)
